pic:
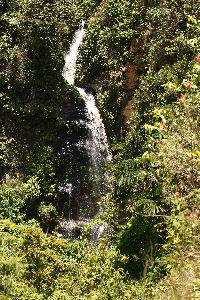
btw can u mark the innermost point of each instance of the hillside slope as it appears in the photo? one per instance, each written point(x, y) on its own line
point(141, 59)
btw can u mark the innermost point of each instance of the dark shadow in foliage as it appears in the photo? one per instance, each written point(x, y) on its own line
point(138, 241)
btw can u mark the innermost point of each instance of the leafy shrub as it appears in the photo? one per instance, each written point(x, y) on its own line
point(139, 240)
point(41, 163)
point(8, 155)
point(18, 199)
point(48, 216)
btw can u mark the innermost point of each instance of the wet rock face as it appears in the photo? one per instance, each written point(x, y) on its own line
point(70, 149)
point(127, 111)
point(145, 2)
point(134, 67)
point(132, 74)
point(69, 229)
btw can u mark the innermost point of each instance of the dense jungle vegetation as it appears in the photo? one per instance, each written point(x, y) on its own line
point(142, 59)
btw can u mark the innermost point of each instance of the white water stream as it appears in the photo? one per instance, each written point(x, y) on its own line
point(71, 56)
point(96, 144)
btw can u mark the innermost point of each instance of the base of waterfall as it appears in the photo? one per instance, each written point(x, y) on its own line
point(72, 229)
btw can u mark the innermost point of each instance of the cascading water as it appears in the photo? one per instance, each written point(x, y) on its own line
point(95, 145)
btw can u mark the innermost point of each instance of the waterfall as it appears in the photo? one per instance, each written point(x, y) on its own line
point(95, 145)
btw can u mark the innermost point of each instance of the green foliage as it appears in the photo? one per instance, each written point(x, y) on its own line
point(48, 216)
point(43, 259)
point(50, 267)
point(18, 199)
point(180, 252)
point(7, 155)
point(149, 37)
point(112, 25)
point(139, 240)
point(159, 157)
point(11, 265)
point(42, 164)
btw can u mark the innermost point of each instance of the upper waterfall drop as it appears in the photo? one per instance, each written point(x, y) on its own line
point(71, 56)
